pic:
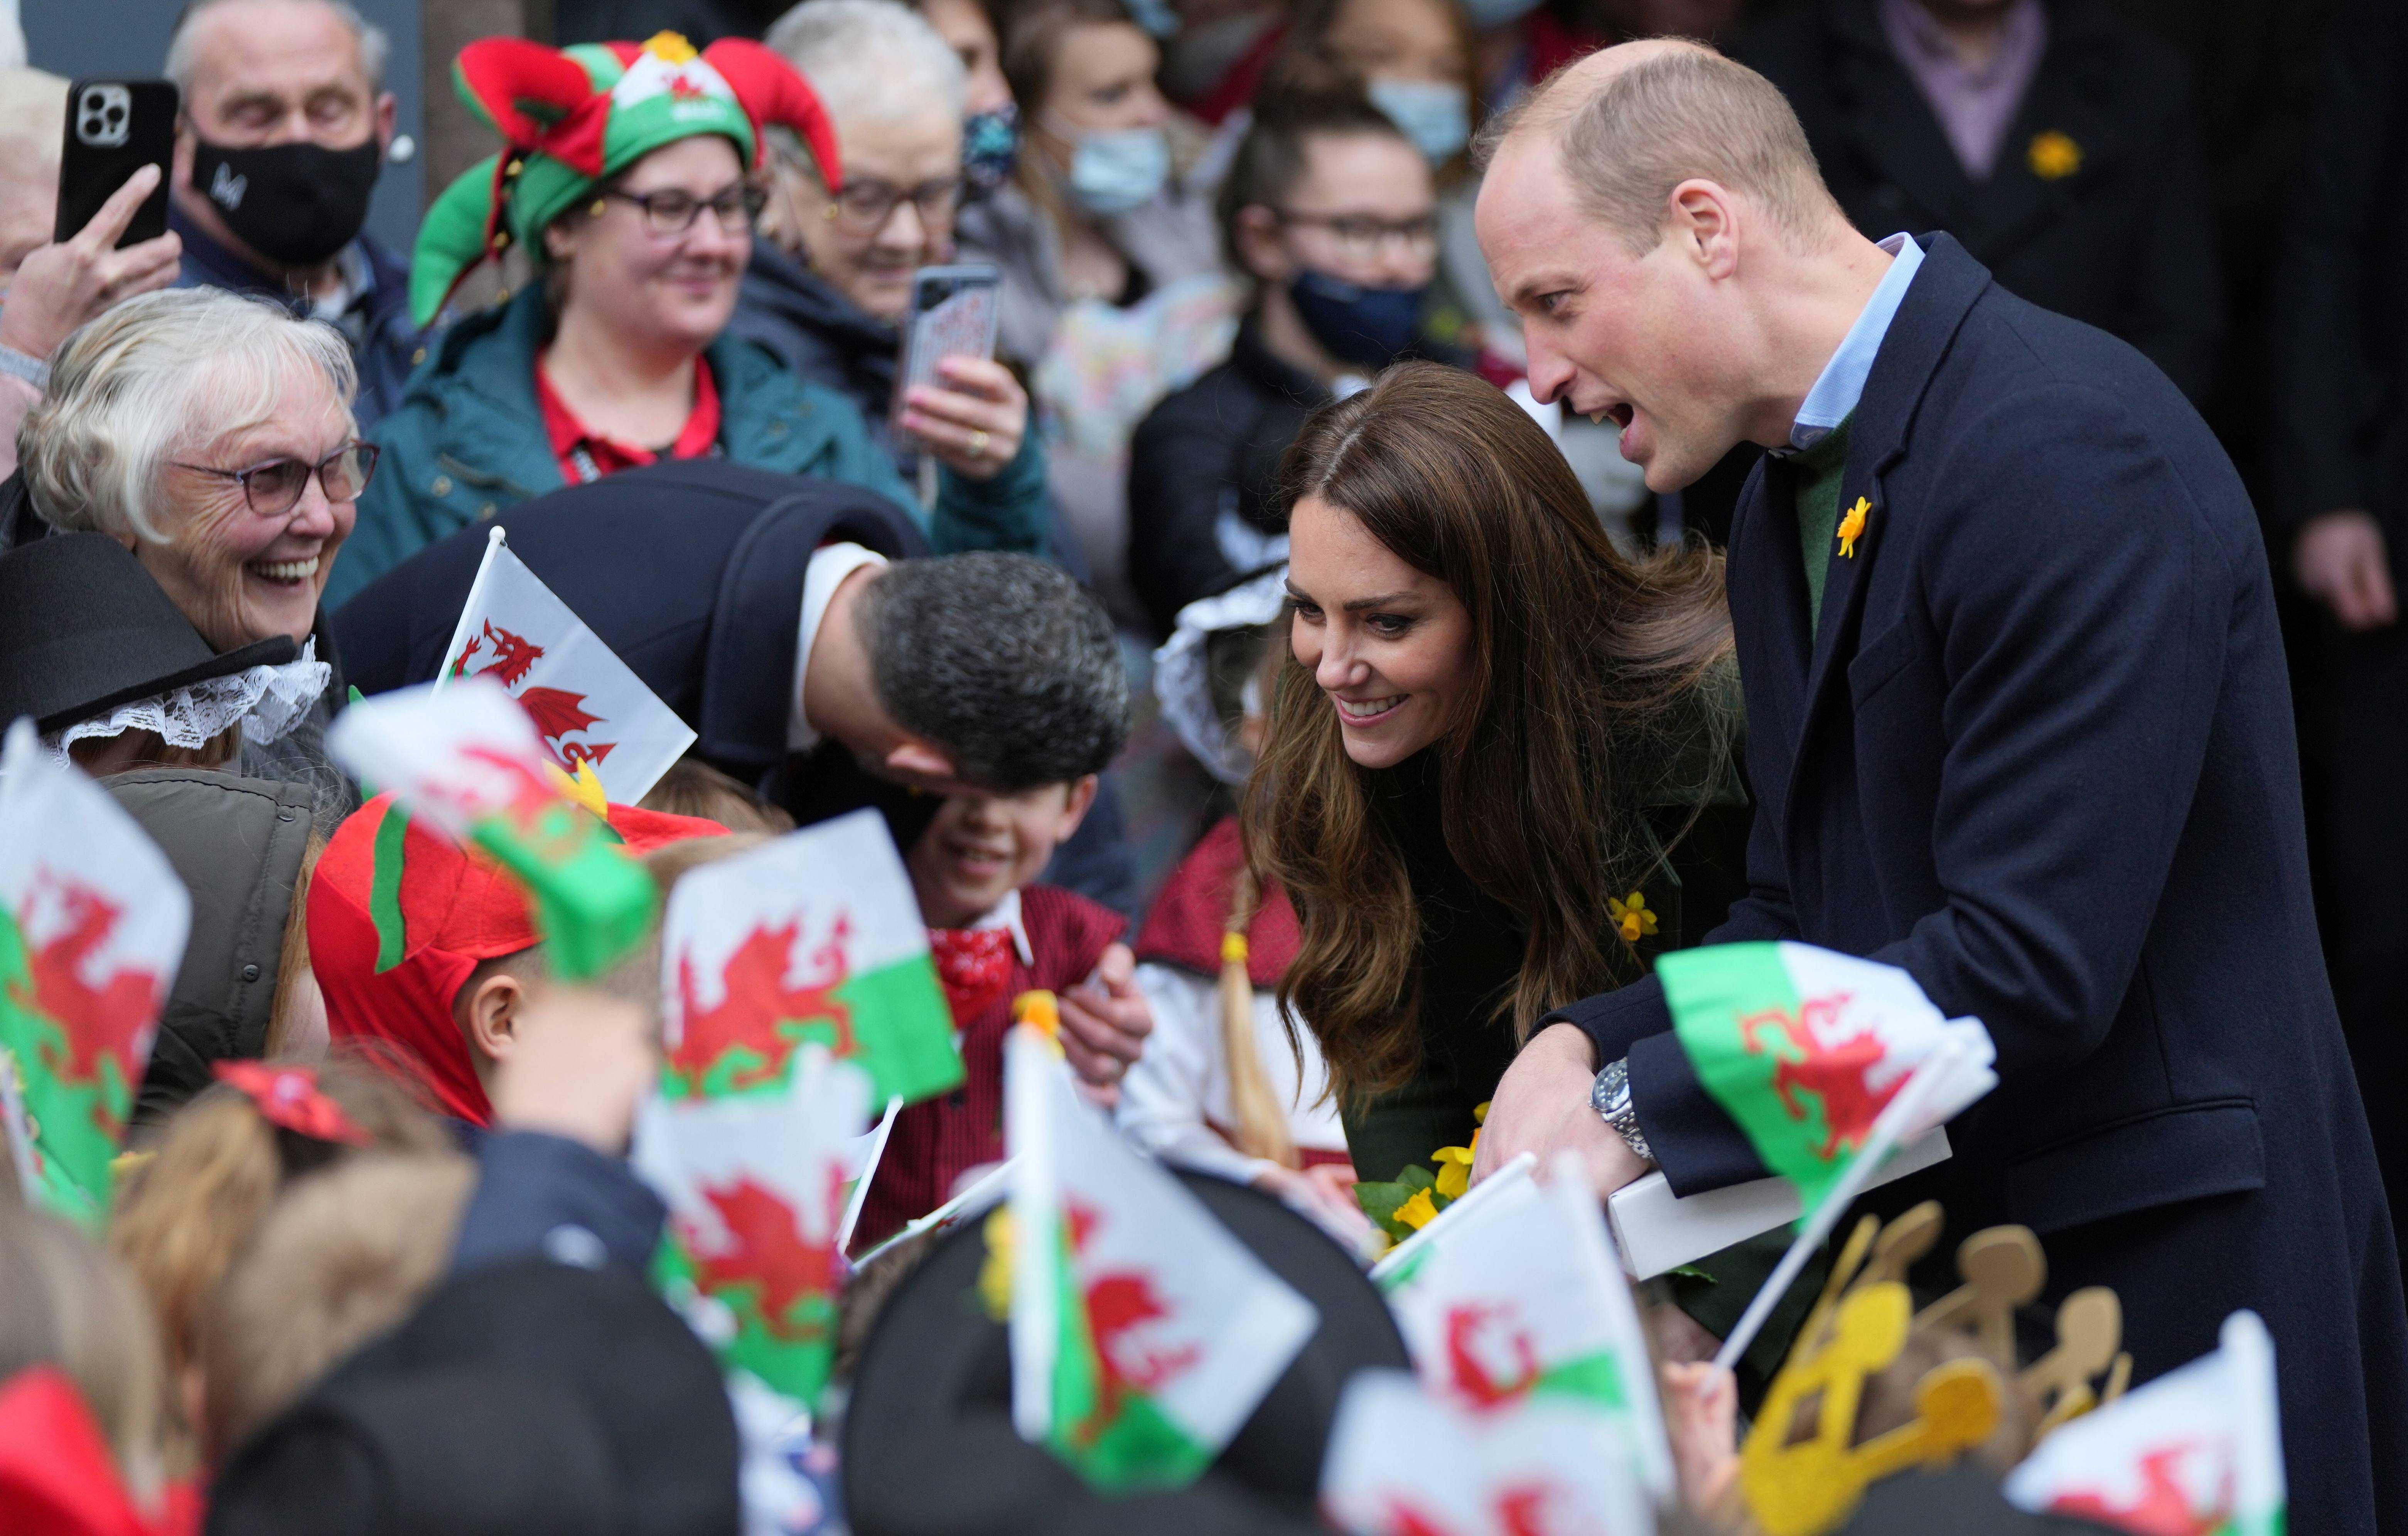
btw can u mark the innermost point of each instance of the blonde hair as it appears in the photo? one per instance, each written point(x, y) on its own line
point(343, 1257)
point(692, 787)
point(66, 1303)
point(159, 375)
point(182, 1214)
point(1680, 112)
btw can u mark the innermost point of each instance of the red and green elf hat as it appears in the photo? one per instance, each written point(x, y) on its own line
point(571, 118)
point(399, 916)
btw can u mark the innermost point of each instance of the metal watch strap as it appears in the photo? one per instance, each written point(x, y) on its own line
point(1609, 1096)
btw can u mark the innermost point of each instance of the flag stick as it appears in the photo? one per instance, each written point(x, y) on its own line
point(469, 608)
point(1889, 1127)
point(868, 1172)
point(20, 1143)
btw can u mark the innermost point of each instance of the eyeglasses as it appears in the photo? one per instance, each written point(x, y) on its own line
point(864, 206)
point(670, 213)
point(1366, 238)
point(273, 488)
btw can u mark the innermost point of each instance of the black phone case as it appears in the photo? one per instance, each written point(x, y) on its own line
point(113, 129)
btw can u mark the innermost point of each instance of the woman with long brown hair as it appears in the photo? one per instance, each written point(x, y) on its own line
point(1496, 775)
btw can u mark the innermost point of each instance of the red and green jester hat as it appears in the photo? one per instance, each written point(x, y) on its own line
point(572, 118)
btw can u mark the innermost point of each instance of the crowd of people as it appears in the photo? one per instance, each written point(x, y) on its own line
point(1467, 499)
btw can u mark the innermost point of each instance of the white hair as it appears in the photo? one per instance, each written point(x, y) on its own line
point(871, 61)
point(375, 47)
point(158, 376)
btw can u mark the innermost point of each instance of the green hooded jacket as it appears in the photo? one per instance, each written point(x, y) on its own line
point(468, 441)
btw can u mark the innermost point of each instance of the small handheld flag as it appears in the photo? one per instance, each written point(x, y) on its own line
point(1143, 1334)
point(590, 709)
point(814, 936)
point(468, 761)
point(1523, 1298)
point(92, 923)
point(2198, 1449)
point(1404, 1461)
point(757, 1189)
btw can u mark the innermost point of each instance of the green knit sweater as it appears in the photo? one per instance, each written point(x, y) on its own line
point(1816, 473)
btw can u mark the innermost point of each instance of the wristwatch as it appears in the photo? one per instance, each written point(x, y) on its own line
point(1609, 1096)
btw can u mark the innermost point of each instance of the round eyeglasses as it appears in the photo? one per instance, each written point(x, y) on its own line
point(273, 488)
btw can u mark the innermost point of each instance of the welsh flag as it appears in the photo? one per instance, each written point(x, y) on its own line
point(93, 921)
point(813, 936)
point(757, 1190)
point(1805, 1048)
point(468, 761)
point(587, 707)
point(2197, 1452)
point(1142, 1334)
point(1404, 1461)
point(1523, 1299)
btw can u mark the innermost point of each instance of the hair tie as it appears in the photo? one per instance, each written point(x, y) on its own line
point(290, 1097)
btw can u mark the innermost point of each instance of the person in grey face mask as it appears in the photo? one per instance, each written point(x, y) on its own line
point(285, 128)
point(1112, 291)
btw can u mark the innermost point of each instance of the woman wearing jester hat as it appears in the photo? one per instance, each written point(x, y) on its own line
point(626, 176)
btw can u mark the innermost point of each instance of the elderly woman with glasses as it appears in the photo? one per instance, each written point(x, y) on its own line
point(629, 176)
point(211, 435)
point(831, 275)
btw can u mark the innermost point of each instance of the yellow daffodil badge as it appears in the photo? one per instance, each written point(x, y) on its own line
point(1852, 527)
point(1631, 917)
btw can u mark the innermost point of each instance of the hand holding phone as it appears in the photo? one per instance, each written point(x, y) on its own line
point(61, 285)
point(967, 409)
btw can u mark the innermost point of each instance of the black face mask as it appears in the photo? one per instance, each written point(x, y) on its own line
point(295, 204)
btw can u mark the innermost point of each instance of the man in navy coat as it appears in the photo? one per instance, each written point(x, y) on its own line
point(2017, 721)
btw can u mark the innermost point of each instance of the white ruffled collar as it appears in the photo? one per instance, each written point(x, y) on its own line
point(268, 701)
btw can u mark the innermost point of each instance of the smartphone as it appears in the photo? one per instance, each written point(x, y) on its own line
point(114, 128)
point(954, 314)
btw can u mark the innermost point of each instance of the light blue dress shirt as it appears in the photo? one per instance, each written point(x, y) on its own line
point(1842, 382)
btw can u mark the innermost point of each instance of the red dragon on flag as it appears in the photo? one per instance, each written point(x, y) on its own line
point(759, 1015)
point(1837, 1073)
point(1469, 1373)
point(1518, 1510)
point(99, 1023)
point(769, 1252)
point(2161, 1508)
point(1119, 1302)
point(557, 712)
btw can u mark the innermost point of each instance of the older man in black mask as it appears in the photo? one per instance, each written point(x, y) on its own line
point(285, 129)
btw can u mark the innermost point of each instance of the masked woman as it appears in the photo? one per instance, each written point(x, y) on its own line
point(1495, 779)
point(627, 176)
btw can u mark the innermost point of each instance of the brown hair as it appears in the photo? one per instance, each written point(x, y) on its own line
point(292, 973)
point(692, 787)
point(1272, 156)
point(1305, 62)
point(1588, 668)
point(1682, 112)
point(66, 1303)
point(182, 1214)
point(343, 1257)
point(1031, 36)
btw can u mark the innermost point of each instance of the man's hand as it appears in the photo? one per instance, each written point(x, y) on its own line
point(61, 285)
point(1104, 1023)
point(579, 1063)
point(974, 421)
point(2340, 559)
point(1541, 1105)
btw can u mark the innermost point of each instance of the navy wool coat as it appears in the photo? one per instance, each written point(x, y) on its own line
point(2040, 753)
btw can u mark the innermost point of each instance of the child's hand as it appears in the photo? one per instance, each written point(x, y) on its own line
point(1104, 1023)
point(582, 1062)
point(1701, 1416)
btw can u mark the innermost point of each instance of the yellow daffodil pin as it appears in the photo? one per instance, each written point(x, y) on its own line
point(1419, 1212)
point(1852, 527)
point(2054, 156)
point(1454, 1168)
point(1631, 918)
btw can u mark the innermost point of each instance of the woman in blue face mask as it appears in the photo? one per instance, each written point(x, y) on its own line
point(1332, 212)
point(1112, 294)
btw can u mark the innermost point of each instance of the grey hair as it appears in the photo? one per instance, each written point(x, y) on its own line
point(375, 47)
point(158, 375)
point(1002, 661)
point(871, 60)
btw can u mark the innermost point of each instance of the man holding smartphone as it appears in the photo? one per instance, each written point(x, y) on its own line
point(285, 129)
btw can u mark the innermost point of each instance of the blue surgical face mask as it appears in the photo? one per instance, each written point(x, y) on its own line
point(1436, 116)
point(1155, 16)
point(990, 145)
point(1369, 327)
point(1122, 169)
point(1488, 15)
